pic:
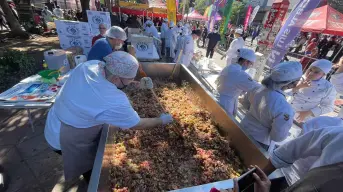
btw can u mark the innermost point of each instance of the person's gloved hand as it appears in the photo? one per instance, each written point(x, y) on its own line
point(166, 118)
point(146, 83)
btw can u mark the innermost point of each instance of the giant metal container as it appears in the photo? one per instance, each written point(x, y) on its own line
point(247, 149)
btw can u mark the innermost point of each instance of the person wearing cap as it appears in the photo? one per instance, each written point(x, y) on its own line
point(170, 38)
point(237, 43)
point(102, 30)
point(164, 31)
point(91, 98)
point(179, 26)
point(233, 80)
point(123, 22)
point(314, 95)
point(115, 37)
point(58, 12)
point(270, 116)
point(185, 52)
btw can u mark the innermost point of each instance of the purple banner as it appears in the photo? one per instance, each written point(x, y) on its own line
point(290, 29)
point(214, 11)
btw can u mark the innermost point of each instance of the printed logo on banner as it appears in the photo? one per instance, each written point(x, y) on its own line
point(75, 42)
point(72, 30)
point(97, 19)
point(141, 46)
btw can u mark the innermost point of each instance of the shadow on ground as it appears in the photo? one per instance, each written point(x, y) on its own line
point(27, 158)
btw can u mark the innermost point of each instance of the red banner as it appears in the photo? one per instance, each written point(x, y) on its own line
point(247, 17)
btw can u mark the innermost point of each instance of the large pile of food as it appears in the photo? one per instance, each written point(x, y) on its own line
point(161, 159)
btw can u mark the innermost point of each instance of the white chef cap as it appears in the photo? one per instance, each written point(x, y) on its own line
point(247, 54)
point(116, 32)
point(171, 24)
point(323, 64)
point(239, 31)
point(185, 30)
point(121, 64)
point(286, 71)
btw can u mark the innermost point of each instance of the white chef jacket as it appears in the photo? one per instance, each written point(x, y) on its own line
point(180, 41)
point(337, 81)
point(232, 82)
point(318, 98)
point(232, 54)
point(88, 99)
point(52, 129)
point(300, 167)
point(173, 39)
point(325, 143)
point(164, 30)
point(153, 31)
point(58, 12)
point(270, 117)
point(188, 50)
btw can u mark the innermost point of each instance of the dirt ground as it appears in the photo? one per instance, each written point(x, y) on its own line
point(34, 46)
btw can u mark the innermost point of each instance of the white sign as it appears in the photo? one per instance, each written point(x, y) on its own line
point(145, 49)
point(73, 33)
point(72, 28)
point(95, 18)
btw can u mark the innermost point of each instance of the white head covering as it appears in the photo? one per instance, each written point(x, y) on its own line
point(185, 30)
point(247, 54)
point(286, 71)
point(165, 19)
point(121, 64)
point(239, 31)
point(125, 17)
point(323, 64)
point(171, 24)
point(116, 32)
point(179, 23)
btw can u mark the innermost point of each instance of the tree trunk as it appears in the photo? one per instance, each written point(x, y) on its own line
point(84, 6)
point(14, 24)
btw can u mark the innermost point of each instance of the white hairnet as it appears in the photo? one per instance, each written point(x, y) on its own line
point(116, 32)
point(323, 64)
point(171, 24)
point(287, 71)
point(165, 19)
point(121, 64)
point(185, 30)
point(179, 23)
point(247, 54)
point(239, 31)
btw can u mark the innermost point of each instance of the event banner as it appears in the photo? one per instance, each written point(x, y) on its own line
point(247, 17)
point(227, 14)
point(95, 18)
point(74, 33)
point(290, 30)
point(273, 24)
point(171, 10)
point(253, 14)
point(211, 20)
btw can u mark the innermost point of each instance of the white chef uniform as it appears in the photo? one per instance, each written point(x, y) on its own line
point(233, 80)
point(300, 167)
point(337, 81)
point(325, 143)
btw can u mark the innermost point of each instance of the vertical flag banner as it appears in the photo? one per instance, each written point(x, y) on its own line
point(290, 29)
point(212, 20)
point(247, 17)
point(227, 14)
point(171, 10)
point(253, 14)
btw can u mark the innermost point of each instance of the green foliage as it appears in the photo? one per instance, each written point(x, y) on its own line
point(15, 66)
point(200, 6)
point(182, 4)
point(237, 10)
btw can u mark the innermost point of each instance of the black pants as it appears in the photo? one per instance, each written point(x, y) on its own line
point(163, 46)
point(168, 57)
point(209, 52)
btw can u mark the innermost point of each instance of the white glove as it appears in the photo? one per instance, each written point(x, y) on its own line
point(166, 118)
point(146, 83)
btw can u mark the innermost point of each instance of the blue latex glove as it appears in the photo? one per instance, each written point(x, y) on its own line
point(166, 118)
